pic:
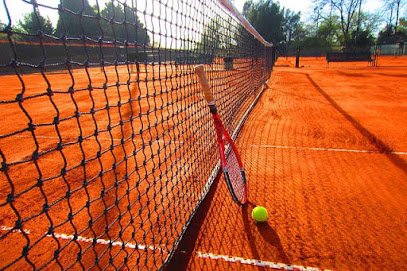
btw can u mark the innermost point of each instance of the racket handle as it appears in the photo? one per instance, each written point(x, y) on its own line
point(199, 70)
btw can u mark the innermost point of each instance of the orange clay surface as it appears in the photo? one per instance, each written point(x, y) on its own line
point(129, 188)
point(325, 151)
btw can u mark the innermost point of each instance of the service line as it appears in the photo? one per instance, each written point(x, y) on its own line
point(326, 149)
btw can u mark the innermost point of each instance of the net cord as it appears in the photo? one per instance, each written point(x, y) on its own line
point(231, 8)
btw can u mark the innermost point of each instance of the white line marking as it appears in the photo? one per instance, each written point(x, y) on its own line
point(254, 145)
point(99, 138)
point(254, 262)
point(326, 149)
point(104, 242)
point(89, 240)
point(5, 228)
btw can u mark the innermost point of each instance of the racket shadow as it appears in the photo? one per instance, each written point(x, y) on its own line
point(267, 233)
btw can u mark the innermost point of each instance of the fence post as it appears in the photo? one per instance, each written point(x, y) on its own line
point(297, 57)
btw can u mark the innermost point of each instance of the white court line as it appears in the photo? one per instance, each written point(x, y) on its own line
point(99, 138)
point(5, 228)
point(203, 255)
point(88, 240)
point(258, 263)
point(326, 149)
point(253, 145)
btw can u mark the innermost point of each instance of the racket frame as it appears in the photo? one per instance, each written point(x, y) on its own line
point(223, 138)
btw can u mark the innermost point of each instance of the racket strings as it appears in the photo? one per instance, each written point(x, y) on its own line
point(235, 175)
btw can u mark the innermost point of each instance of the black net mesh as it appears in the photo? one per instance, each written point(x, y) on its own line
point(106, 145)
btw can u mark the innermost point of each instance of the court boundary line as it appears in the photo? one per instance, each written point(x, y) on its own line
point(98, 138)
point(326, 149)
point(84, 239)
point(256, 262)
point(178, 142)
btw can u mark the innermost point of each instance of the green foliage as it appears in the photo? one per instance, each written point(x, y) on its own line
point(347, 17)
point(329, 32)
point(317, 40)
point(122, 24)
point(281, 26)
point(112, 22)
point(217, 38)
point(292, 26)
point(74, 23)
point(210, 42)
point(362, 40)
point(328, 36)
point(34, 22)
point(267, 18)
point(387, 36)
point(343, 24)
point(339, 24)
point(402, 27)
point(2, 35)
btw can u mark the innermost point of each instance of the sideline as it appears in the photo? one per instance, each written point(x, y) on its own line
point(259, 263)
point(327, 149)
point(79, 238)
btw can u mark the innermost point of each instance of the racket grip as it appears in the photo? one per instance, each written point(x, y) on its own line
point(199, 70)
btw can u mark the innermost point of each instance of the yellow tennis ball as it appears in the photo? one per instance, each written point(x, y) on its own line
point(259, 214)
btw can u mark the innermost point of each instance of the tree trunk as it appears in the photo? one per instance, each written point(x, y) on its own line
point(328, 44)
point(358, 26)
point(397, 16)
point(360, 7)
point(391, 17)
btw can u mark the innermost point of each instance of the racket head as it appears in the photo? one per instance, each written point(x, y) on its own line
point(233, 171)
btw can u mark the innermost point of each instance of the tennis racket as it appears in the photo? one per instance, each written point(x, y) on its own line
point(229, 157)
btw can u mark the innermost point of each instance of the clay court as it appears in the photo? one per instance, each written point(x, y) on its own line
point(325, 151)
point(102, 167)
point(113, 155)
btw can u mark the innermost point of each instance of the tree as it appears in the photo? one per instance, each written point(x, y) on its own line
point(122, 24)
point(77, 18)
point(403, 24)
point(267, 18)
point(393, 7)
point(389, 6)
point(329, 32)
point(2, 27)
point(210, 42)
point(401, 35)
point(346, 10)
point(319, 39)
point(399, 4)
point(363, 40)
point(355, 30)
point(371, 21)
point(291, 27)
point(34, 22)
point(366, 25)
point(327, 23)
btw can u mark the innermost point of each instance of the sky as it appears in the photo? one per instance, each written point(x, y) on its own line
point(19, 8)
point(305, 6)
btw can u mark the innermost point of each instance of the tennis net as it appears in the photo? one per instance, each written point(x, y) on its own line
point(106, 145)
